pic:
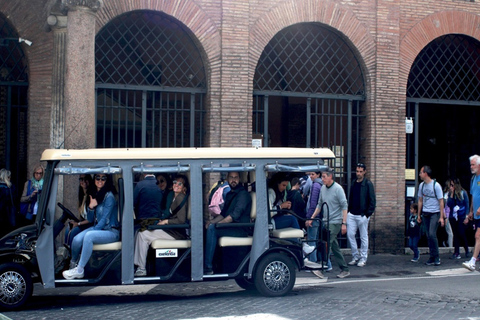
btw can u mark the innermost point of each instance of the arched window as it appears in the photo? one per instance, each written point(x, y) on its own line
point(150, 83)
point(308, 92)
point(13, 103)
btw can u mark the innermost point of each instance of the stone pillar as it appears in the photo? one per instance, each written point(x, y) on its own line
point(58, 23)
point(80, 73)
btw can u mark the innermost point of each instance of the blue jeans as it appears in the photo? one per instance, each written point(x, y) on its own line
point(84, 241)
point(286, 221)
point(212, 237)
point(312, 234)
point(413, 244)
point(431, 225)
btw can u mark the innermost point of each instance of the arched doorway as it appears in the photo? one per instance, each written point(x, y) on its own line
point(150, 83)
point(13, 104)
point(309, 92)
point(443, 99)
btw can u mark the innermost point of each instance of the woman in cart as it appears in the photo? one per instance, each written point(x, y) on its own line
point(178, 215)
point(105, 229)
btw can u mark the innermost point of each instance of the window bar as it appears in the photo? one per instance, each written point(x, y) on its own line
point(144, 119)
point(192, 120)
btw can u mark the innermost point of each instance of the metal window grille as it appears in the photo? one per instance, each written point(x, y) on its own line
point(448, 68)
point(13, 104)
point(309, 58)
point(308, 82)
point(151, 83)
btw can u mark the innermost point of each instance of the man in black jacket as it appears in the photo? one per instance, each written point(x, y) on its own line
point(237, 207)
point(361, 205)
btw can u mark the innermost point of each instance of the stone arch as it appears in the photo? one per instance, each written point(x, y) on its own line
point(199, 23)
point(29, 24)
point(187, 12)
point(330, 13)
point(430, 28)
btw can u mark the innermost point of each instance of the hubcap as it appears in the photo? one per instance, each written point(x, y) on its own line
point(12, 286)
point(276, 276)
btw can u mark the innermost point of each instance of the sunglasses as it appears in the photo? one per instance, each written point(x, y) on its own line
point(178, 182)
point(101, 178)
point(41, 172)
point(361, 165)
point(161, 181)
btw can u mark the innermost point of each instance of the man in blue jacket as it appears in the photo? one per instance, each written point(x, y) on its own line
point(361, 205)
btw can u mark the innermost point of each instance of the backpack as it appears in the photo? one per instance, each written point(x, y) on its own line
point(216, 202)
point(214, 189)
point(434, 191)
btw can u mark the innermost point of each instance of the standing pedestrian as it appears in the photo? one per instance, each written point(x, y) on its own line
point(458, 204)
point(361, 205)
point(474, 212)
point(8, 210)
point(414, 232)
point(333, 194)
point(431, 211)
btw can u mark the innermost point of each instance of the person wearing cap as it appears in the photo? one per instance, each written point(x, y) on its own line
point(361, 205)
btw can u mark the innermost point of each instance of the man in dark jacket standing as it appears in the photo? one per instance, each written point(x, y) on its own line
point(361, 205)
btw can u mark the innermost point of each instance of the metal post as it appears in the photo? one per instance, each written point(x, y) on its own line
point(309, 122)
point(265, 121)
point(416, 131)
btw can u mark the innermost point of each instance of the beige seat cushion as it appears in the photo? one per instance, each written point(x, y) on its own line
point(235, 241)
point(287, 233)
point(108, 246)
point(170, 244)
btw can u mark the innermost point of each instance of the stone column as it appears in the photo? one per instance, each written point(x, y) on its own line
point(58, 24)
point(80, 73)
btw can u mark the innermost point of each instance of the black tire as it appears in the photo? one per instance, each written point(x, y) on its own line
point(245, 283)
point(16, 286)
point(275, 275)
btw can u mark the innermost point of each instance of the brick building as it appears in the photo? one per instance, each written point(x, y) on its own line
point(315, 73)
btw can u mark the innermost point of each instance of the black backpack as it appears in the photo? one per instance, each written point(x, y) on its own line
point(434, 191)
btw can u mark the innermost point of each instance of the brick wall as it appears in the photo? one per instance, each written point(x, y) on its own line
point(232, 35)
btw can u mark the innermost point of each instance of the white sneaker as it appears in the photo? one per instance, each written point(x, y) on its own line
point(353, 262)
point(319, 274)
point(311, 265)
point(72, 274)
point(140, 272)
point(361, 263)
point(469, 265)
point(307, 248)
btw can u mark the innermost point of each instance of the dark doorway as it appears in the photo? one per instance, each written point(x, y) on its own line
point(448, 136)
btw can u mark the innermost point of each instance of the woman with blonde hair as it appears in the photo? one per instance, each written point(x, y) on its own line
point(7, 203)
point(31, 190)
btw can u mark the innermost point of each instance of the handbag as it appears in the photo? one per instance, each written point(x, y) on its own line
point(25, 205)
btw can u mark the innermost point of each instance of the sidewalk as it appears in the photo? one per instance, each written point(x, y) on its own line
point(388, 266)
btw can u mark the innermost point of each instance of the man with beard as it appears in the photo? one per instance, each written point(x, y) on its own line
point(361, 205)
point(236, 209)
